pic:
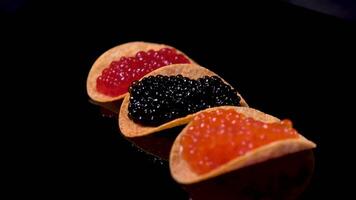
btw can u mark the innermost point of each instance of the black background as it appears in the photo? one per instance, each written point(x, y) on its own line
point(285, 60)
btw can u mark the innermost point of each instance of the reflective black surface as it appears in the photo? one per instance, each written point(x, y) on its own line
point(341, 8)
point(282, 178)
point(284, 60)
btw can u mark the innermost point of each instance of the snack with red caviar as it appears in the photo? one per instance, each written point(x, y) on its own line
point(223, 139)
point(114, 71)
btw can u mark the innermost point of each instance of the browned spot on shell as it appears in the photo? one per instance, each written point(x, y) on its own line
point(182, 173)
point(127, 50)
point(131, 129)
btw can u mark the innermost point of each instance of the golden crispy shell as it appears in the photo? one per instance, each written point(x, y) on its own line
point(182, 173)
point(127, 50)
point(131, 129)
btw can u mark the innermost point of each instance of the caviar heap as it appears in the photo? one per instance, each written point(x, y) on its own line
point(215, 137)
point(158, 99)
point(116, 79)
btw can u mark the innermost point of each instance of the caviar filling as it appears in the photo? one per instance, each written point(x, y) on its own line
point(214, 138)
point(158, 99)
point(116, 78)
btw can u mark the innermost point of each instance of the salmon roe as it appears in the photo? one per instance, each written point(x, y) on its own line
point(213, 138)
point(116, 78)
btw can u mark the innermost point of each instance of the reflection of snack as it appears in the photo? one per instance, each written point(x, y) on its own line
point(284, 178)
point(113, 106)
point(131, 129)
point(222, 139)
point(113, 72)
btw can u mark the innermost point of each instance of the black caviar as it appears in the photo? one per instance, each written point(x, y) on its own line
point(158, 99)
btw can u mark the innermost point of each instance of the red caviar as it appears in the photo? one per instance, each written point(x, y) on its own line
point(216, 137)
point(116, 78)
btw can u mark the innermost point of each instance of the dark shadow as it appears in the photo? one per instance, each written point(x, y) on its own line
point(158, 144)
point(114, 106)
point(282, 178)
